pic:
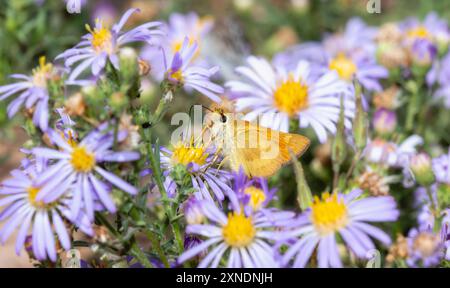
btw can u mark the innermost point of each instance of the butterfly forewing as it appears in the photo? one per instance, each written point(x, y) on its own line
point(261, 151)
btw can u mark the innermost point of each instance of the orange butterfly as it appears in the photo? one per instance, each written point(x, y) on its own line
point(260, 151)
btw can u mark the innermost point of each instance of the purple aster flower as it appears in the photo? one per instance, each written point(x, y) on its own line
point(351, 54)
point(181, 72)
point(425, 248)
point(432, 29)
point(365, 70)
point(177, 29)
point(23, 211)
point(78, 164)
point(357, 39)
point(243, 240)
point(103, 44)
point(441, 168)
point(254, 193)
point(343, 215)
point(276, 95)
point(32, 91)
point(209, 181)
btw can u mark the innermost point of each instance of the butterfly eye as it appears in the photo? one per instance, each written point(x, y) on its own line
point(223, 118)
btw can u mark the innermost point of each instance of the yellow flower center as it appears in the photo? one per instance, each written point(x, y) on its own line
point(42, 73)
point(184, 155)
point(291, 96)
point(329, 214)
point(343, 66)
point(178, 76)
point(239, 231)
point(419, 32)
point(257, 197)
point(101, 38)
point(32, 193)
point(82, 160)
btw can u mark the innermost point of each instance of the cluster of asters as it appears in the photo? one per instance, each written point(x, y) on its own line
point(231, 219)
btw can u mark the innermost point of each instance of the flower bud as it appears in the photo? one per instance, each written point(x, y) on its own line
point(304, 195)
point(421, 167)
point(118, 101)
point(384, 121)
point(129, 67)
point(360, 122)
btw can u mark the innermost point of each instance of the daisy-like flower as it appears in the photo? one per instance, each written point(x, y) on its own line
point(23, 211)
point(441, 168)
point(79, 164)
point(342, 215)
point(278, 95)
point(181, 72)
point(254, 193)
point(177, 29)
point(244, 240)
point(432, 29)
point(351, 54)
point(363, 69)
point(357, 39)
point(425, 248)
point(32, 91)
point(103, 44)
point(209, 181)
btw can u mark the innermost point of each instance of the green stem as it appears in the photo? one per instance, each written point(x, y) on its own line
point(336, 171)
point(140, 256)
point(355, 161)
point(157, 176)
point(134, 248)
point(434, 209)
point(157, 246)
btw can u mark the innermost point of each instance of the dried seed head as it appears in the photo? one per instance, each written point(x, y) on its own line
point(373, 183)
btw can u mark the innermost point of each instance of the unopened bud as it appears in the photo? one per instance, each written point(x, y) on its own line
point(339, 148)
point(129, 67)
point(421, 167)
point(384, 121)
point(360, 122)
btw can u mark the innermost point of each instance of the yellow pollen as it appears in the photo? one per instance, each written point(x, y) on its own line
point(291, 96)
point(419, 32)
point(42, 73)
point(183, 154)
point(32, 193)
point(239, 230)
point(257, 197)
point(329, 214)
point(101, 38)
point(344, 67)
point(82, 160)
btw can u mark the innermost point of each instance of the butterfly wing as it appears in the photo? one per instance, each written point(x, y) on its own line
point(262, 151)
